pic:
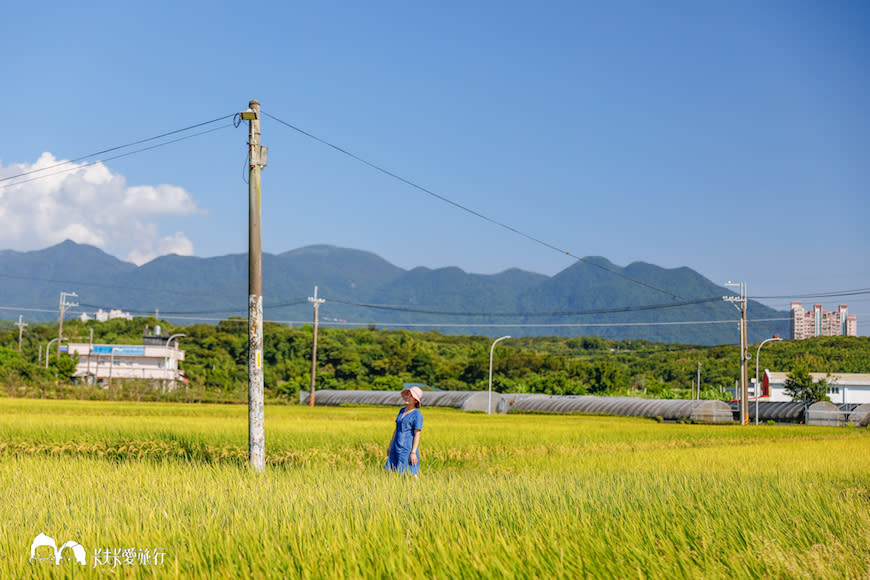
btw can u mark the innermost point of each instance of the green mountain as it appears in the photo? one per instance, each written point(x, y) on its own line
point(590, 298)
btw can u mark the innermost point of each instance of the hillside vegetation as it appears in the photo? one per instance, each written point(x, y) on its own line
point(369, 358)
point(590, 297)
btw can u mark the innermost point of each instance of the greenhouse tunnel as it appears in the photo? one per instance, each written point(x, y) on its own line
point(463, 400)
point(667, 409)
point(798, 412)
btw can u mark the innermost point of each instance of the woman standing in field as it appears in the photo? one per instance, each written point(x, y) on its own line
point(404, 455)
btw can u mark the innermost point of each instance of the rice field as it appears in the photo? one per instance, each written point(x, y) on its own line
point(157, 490)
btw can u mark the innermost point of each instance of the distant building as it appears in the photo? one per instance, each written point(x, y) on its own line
point(102, 316)
point(155, 360)
point(818, 322)
point(843, 388)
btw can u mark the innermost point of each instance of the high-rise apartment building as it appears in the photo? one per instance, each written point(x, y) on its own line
point(818, 322)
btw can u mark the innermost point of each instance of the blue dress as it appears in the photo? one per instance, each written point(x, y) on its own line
point(399, 458)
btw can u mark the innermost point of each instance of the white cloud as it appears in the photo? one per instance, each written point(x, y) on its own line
point(89, 205)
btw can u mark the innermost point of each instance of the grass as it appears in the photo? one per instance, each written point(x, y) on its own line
point(501, 496)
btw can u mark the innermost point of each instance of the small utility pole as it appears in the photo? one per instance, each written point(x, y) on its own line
point(744, 387)
point(744, 359)
point(63, 306)
point(256, 417)
point(699, 380)
point(20, 324)
point(316, 302)
point(90, 350)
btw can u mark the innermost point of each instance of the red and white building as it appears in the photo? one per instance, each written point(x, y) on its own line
point(818, 322)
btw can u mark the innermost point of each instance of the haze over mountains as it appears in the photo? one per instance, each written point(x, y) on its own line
point(591, 297)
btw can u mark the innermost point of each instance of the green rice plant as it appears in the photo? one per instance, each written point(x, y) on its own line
point(503, 497)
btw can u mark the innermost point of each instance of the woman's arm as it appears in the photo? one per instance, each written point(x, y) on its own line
point(414, 446)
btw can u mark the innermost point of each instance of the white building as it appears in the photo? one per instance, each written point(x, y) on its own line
point(842, 387)
point(105, 363)
point(102, 316)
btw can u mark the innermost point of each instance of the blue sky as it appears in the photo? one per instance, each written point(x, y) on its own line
point(729, 137)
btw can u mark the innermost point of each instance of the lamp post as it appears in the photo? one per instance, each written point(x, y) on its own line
point(757, 353)
point(112, 363)
point(491, 349)
point(47, 346)
point(166, 363)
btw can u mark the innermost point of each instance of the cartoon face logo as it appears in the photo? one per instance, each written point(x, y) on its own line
point(41, 541)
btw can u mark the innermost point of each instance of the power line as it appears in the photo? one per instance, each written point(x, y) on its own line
point(212, 311)
point(55, 311)
point(295, 302)
point(117, 286)
point(834, 294)
point(129, 153)
point(116, 148)
point(187, 315)
point(469, 210)
point(529, 314)
point(523, 325)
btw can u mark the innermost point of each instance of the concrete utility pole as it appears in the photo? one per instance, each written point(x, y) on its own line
point(744, 356)
point(90, 351)
point(316, 302)
point(63, 305)
point(20, 324)
point(256, 419)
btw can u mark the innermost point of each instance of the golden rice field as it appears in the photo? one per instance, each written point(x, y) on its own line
point(517, 496)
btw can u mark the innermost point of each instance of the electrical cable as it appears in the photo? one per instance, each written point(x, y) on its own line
point(129, 153)
point(467, 209)
point(109, 150)
point(118, 286)
point(835, 294)
point(29, 309)
point(296, 301)
point(211, 311)
point(527, 314)
point(520, 325)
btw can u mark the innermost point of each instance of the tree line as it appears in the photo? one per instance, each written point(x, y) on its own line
point(371, 358)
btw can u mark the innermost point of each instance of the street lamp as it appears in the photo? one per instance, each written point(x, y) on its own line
point(49, 346)
point(166, 361)
point(491, 349)
point(758, 352)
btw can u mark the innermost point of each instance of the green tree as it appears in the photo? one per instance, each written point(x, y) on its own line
point(799, 385)
point(605, 377)
point(65, 366)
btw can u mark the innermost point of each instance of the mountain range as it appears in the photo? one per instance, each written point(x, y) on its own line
point(592, 297)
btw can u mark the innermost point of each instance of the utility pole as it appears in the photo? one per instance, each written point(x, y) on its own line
point(20, 324)
point(256, 419)
point(744, 387)
point(316, 302)
point(699, 380)
point(63, 305)
point(90, 350)
point(744, 360)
